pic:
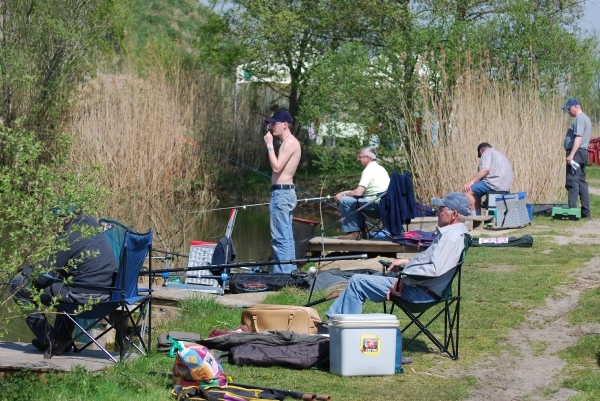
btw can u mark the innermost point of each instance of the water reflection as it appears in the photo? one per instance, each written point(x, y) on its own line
point(251, 235)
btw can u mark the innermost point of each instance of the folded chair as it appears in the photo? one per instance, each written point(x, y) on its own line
point(448, 305)
point(398, 206)
point(129, 309)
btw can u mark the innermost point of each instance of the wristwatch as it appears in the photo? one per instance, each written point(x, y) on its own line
point(269, 148)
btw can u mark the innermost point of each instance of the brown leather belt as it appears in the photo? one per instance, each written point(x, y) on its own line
point(428, 291)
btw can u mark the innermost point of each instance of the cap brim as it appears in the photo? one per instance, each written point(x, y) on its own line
point(270, 120)
point(437, 202)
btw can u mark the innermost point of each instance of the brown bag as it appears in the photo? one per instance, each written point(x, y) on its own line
point(299, 319)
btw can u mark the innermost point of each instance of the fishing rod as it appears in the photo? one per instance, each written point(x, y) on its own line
point(251, 264)
point(341, 219)
point(190, 142)
point(261, 204)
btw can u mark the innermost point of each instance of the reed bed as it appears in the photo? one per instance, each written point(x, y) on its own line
point(445, 126)
point(138, 133)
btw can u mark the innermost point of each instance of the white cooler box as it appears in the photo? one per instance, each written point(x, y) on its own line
point(363, 345)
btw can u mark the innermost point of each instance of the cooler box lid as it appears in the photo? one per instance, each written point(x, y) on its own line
point(364, 320)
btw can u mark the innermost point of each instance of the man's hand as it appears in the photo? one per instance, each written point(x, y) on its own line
point(467, 186)
point(268, 139)
point(387, 296)
point(397, 263)
point(339, 196)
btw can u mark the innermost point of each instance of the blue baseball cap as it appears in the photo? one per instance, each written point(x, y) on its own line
point(455, 201)
point(571, 102)
point(280, 116)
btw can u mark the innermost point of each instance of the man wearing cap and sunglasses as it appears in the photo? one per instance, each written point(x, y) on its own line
point(576, 143)
point(438, 262)
point(283, 192)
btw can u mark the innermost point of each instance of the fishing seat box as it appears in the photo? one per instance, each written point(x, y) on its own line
point(562, 213)
point(362, 345)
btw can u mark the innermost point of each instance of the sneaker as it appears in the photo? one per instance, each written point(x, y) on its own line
point(406, 361)
point(58, 348)
point(355, 235)
point(39, 345)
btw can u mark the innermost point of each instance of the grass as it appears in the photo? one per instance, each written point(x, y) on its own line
point(496, 300)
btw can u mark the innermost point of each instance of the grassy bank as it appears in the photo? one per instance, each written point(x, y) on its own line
point(500, 287)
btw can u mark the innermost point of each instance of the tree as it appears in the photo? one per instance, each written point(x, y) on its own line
point(517, 40)
point(296, 35)
point(46, 49)
point(30, 186)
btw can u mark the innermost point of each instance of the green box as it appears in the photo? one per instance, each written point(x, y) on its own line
point(563, 213)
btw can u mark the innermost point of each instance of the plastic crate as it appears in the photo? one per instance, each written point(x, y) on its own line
point(201, 255)
point(511, 210)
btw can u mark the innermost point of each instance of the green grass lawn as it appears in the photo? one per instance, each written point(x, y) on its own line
point(500, 287)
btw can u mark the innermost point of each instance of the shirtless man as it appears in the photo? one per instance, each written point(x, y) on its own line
point(283, 193)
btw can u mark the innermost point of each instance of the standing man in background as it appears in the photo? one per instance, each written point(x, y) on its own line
point(576, 143)
point(494, 173)
point(283, 191)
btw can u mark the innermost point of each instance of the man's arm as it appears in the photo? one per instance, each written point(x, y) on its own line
point(357, 192)
point(478, 177)
point(286, 151)
point(576, 144)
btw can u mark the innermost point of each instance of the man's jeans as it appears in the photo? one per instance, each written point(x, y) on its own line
point(363, 286)
point(356, 221)
point(283, 203)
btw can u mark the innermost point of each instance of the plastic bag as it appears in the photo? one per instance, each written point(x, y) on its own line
point(196, 366)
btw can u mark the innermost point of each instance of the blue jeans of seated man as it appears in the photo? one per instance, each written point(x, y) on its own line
point(364, 286)
point(283, 203)
point(356, 221)
point(480, 188)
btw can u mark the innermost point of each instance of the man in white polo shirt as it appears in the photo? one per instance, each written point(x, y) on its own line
point(373, 182)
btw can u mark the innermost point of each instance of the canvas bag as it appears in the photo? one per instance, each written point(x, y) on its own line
point(299, 319)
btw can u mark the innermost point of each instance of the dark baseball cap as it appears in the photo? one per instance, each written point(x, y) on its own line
point(280, 116)
point(571, 102)
point(482, 146)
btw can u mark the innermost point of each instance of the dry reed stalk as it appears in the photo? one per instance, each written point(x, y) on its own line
point(128, 127)
point(215, 109)
point(515, 120)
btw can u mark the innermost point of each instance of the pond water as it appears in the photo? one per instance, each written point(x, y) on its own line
point(251, 235)
point(251, 238)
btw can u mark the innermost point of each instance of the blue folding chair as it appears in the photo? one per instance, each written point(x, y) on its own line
point(131, 305)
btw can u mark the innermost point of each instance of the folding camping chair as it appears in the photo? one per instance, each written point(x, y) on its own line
point(373, 224)
point(448, 305)
point(132, 310)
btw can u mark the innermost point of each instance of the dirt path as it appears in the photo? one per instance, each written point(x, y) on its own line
point(533, 374)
